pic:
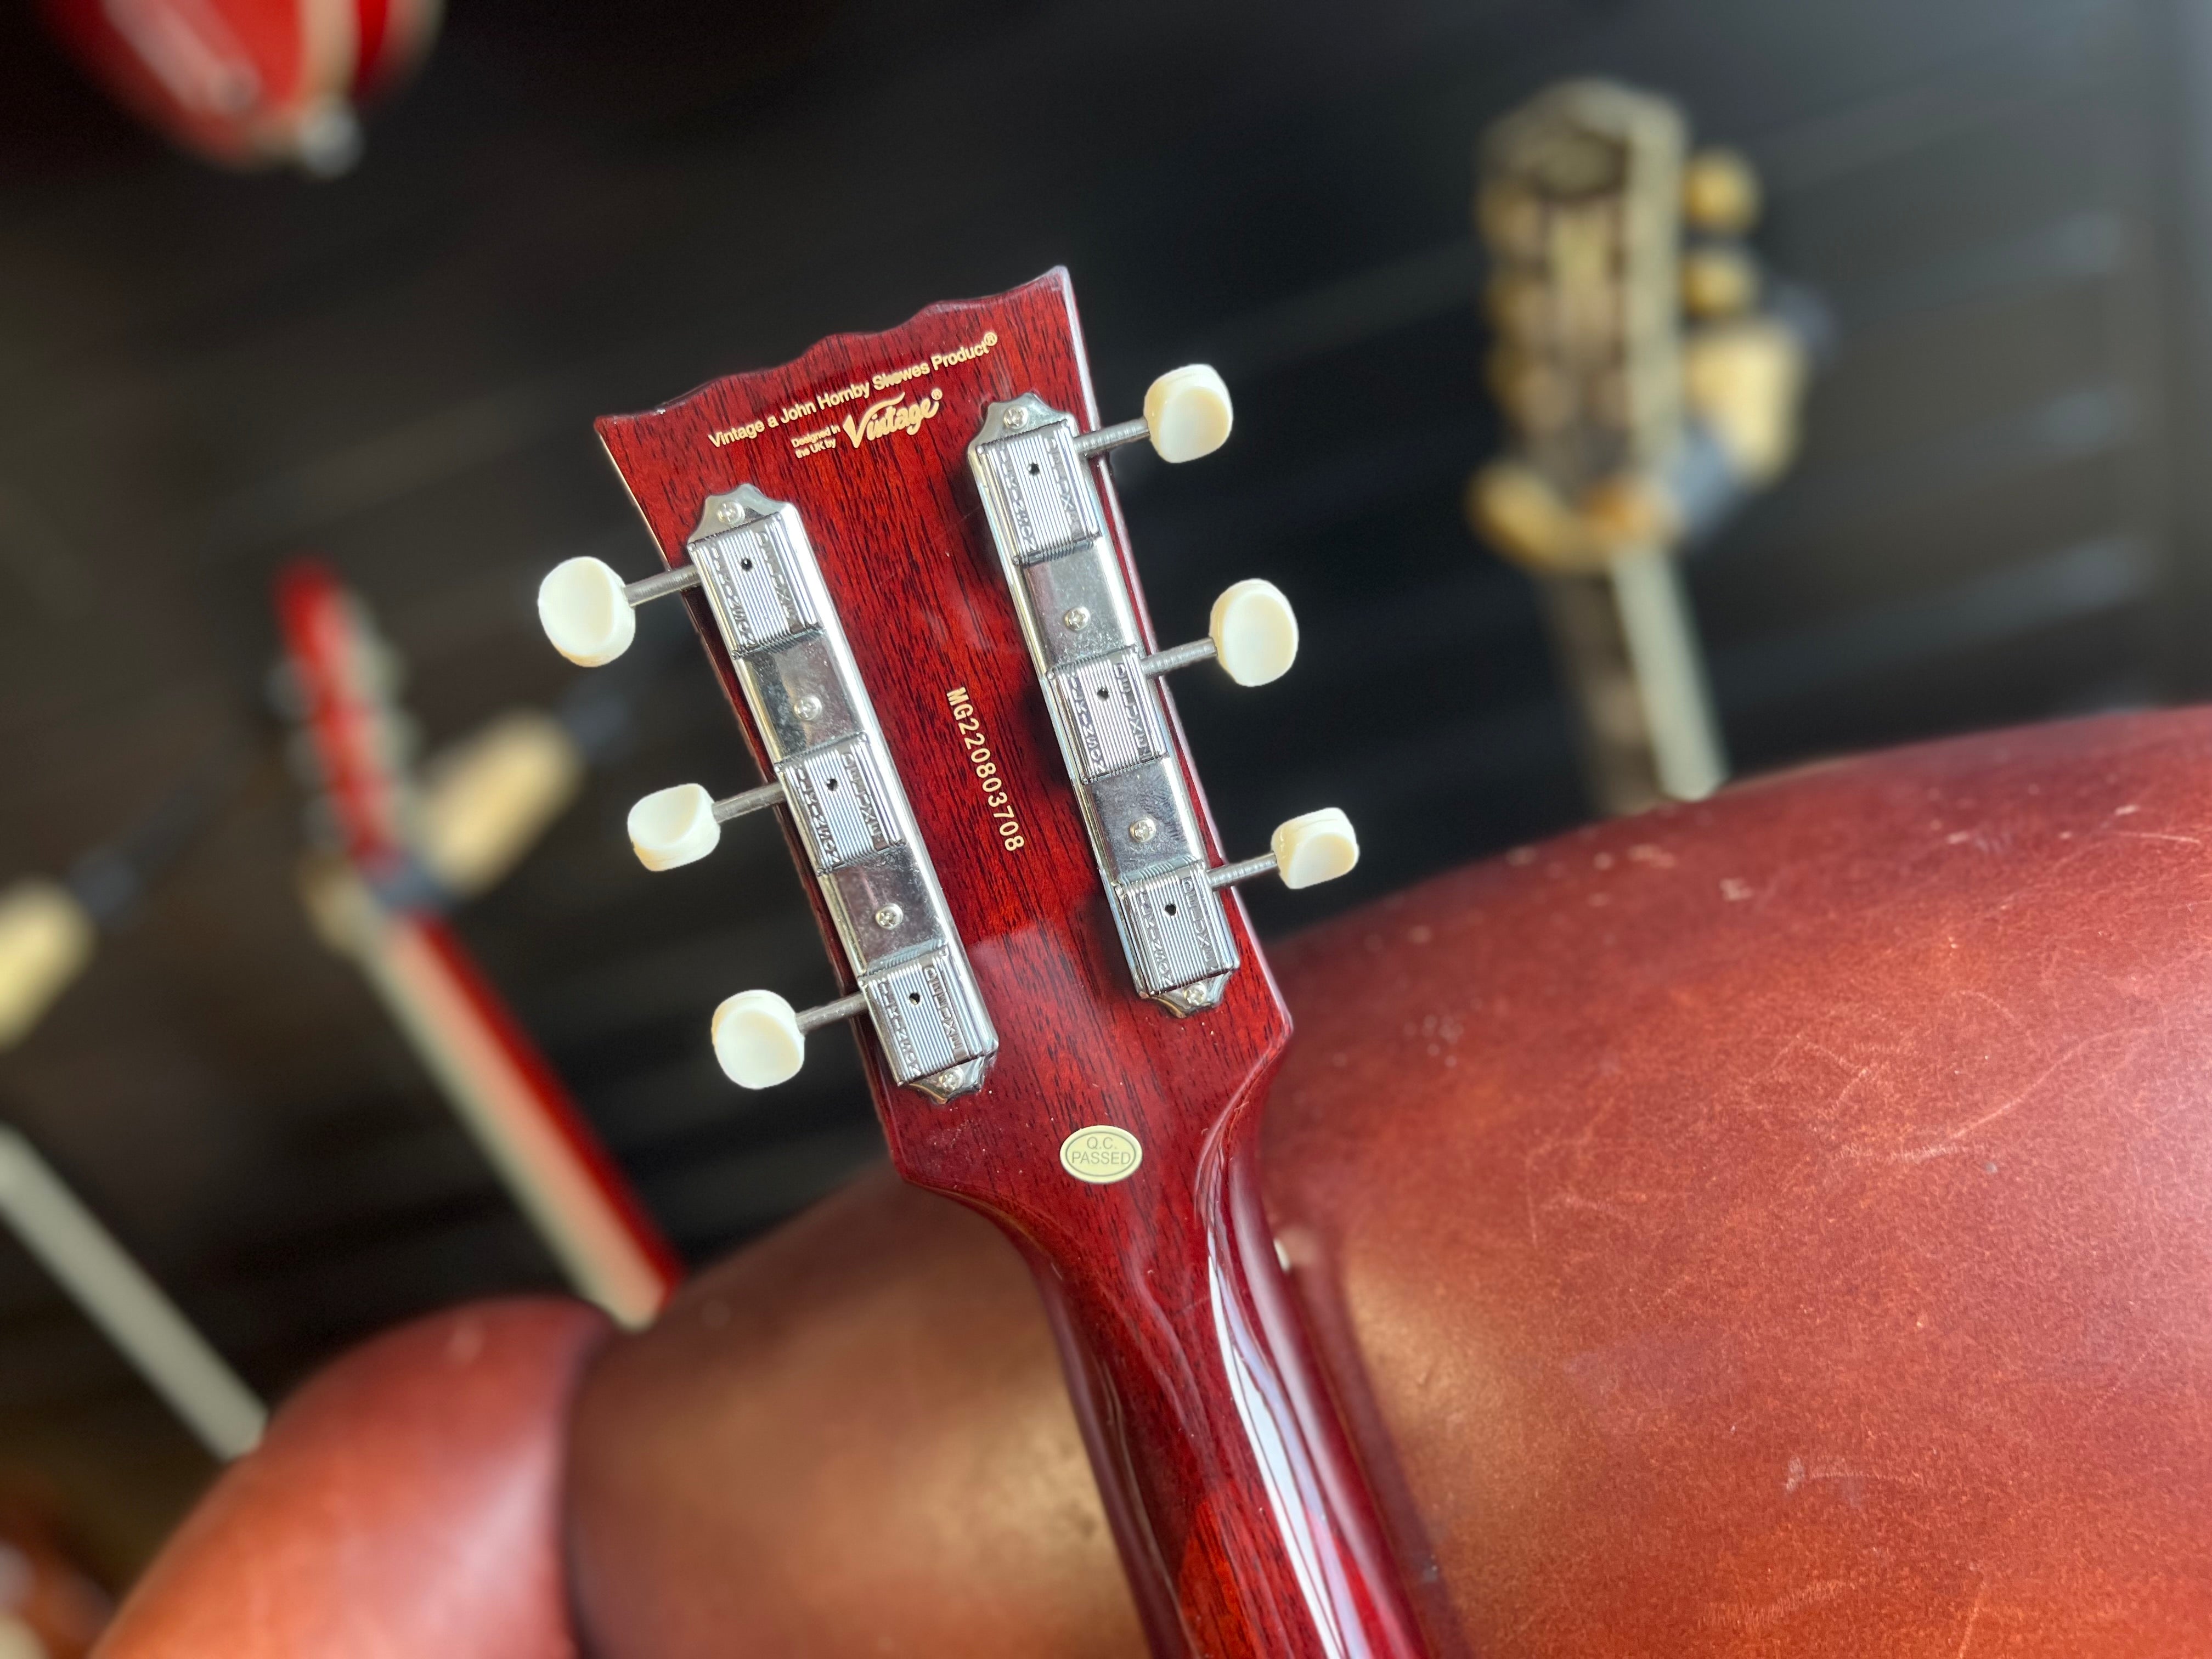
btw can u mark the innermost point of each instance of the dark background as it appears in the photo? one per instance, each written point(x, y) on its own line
point(583, 207)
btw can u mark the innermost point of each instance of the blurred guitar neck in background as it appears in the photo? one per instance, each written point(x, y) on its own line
point(397, 851)
point(1650, 385)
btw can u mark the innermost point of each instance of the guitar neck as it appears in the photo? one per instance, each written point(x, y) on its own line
point(1246, 1526)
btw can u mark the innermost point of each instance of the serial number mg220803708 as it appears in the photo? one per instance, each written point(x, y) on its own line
point(977, 745)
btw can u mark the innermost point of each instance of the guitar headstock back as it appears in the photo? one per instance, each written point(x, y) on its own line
point(904, 553)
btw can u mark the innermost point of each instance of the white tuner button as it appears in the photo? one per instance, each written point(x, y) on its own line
point(1315, 847)
point(585, 612)
point(757, 1040)
point(673, 827)
point(1255, 632)
point(1189, 413)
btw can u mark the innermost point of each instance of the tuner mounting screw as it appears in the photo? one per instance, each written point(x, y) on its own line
point(1143, 830)
point(728, 511)
point(1015, 418)
point(947, 1078)
point(1077, 619)
point(890, 917)
point(808, 707)
point(1194, 996)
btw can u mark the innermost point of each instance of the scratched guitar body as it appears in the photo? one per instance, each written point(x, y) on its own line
point(1245, 1525)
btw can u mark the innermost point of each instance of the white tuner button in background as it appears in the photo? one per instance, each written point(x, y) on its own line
point(584, 612)
point(1254, 631)
point(1315, 847)
point(675, 826)
point(1188, 412)
point(757, 1039)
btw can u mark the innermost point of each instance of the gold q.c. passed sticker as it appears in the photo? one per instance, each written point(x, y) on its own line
point(1100, 1154)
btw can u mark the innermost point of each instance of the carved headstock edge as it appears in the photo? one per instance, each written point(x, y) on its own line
point(869, 443)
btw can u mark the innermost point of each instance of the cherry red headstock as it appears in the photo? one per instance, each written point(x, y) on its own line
point(965, 534)
point(867, 436)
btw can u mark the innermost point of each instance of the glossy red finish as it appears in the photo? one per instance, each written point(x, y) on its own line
point(1243, 1521)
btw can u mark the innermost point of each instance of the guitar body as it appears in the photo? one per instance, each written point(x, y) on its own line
point(1775, 1225)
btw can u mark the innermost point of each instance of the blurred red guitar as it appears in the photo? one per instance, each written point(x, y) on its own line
point(249, 82)
point(379, 904)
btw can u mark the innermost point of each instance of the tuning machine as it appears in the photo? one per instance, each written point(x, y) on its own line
point(1187, 414)
point(759, 1039)
point(1253, 634)
point(774, 619)
point(1052, 532)
point(1304, 851)
point(590, 613)
point(683, 823)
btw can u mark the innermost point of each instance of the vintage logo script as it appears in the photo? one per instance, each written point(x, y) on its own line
point(885, 415)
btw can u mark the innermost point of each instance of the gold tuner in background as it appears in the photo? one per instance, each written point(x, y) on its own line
point(1720, 192)
point(1718, 281)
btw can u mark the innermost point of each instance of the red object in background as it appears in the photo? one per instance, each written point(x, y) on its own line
point(249, 82)
point(405, 1502)
point(345, 705)
point(505, 1091)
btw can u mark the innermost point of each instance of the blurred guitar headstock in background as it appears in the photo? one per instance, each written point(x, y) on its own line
point(1650, 383)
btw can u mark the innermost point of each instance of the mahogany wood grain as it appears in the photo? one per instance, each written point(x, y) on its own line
point(1243, 1521)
